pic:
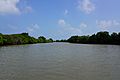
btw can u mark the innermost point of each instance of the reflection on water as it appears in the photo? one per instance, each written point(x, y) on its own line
point(60, 61)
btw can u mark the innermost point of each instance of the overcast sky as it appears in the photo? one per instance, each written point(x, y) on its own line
point(59, 19)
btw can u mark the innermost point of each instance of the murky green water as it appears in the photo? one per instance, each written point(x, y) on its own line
point(60, 61)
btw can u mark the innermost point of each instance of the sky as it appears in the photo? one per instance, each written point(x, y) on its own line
point(59, 19)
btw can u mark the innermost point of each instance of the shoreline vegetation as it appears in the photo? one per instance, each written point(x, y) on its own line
point(102, 37)
point(23, 38)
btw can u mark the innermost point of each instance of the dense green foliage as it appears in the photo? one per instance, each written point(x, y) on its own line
point(1, 39)
point(49, 40)
point(23, 38)
point(99, 38)
point(42, 39)
point(63, 40)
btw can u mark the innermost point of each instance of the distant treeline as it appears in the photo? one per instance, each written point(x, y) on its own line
point(63, 40)
point(99, 38)
point(23, 38)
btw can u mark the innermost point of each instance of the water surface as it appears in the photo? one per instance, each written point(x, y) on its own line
point(60, 61)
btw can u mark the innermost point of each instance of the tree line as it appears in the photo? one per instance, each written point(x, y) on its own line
point(102, 37)
point(23, 38)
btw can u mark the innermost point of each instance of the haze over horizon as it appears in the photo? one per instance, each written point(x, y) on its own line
point(59, 19)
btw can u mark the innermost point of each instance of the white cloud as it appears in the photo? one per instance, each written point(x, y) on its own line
point(27, 9)
point(116, 23)
point(86, 6)
point(33, 28)
point(62, 22)
point(66, 12)
point(105, 24)
point(9, 6)
point(67, 28)
point(83, 25)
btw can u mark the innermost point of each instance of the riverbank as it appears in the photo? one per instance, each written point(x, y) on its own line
point(98, 38)
point(23, 38)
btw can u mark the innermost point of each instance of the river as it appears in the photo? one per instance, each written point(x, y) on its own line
point(60, 61)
